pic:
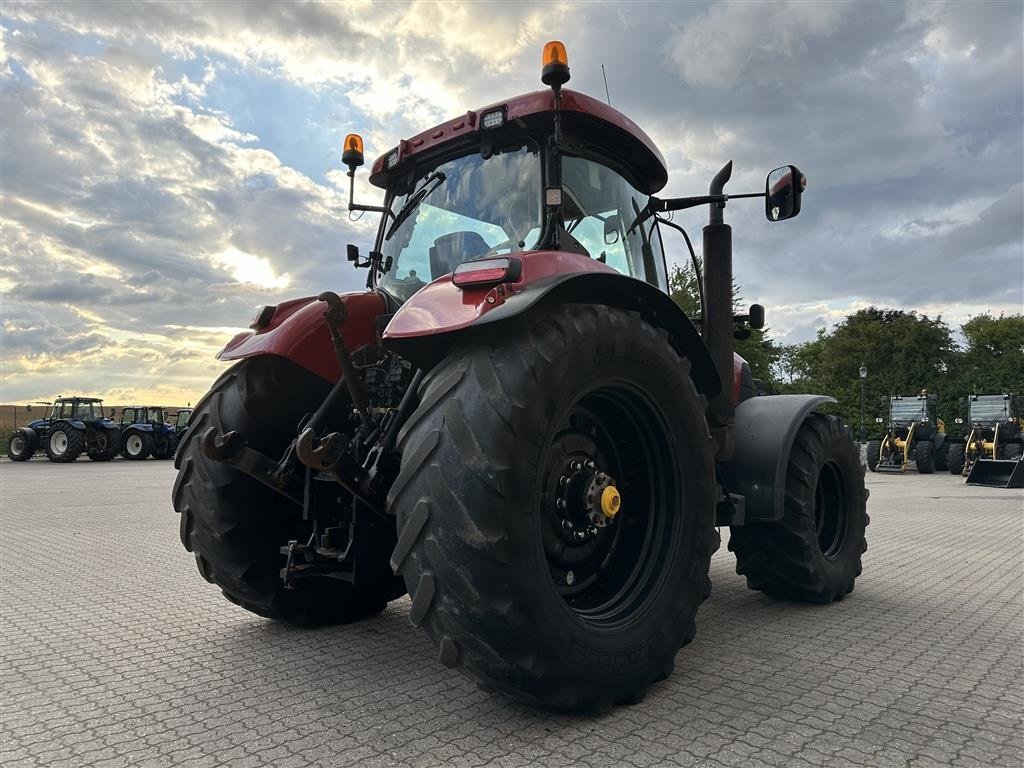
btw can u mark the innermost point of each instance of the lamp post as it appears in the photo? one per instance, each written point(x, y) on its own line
point(863, 378)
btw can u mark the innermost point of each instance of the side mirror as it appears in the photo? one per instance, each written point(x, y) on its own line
point(28, 409)
point(612, 225)
point(782, 191)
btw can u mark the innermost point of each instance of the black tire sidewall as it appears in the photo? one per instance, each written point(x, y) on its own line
point(580, 660)
point(840, 570)
point(873, 450)
point(956, 458)
point(27, 451)
point(924, 457)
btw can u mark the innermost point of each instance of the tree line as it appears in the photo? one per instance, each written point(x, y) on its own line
point(903, 352)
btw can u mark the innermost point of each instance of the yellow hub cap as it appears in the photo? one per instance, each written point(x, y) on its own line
point(610, 501)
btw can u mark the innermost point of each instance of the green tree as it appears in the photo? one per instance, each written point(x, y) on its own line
point(904, 353)
point(993, 360)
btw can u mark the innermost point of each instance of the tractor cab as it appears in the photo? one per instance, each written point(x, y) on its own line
point(919, 411)
point(84, 409)
point(494, 183)
point(988, 410)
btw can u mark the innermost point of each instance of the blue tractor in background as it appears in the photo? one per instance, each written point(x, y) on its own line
point(74, 425)
point(144, 433)
point(181, 424)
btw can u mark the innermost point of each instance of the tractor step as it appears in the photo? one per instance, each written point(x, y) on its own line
point(997, 473)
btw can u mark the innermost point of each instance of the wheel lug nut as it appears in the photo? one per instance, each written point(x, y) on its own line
point(567, 525)
point(560, 503)
point(563, 481)
point(592, 530)
point(570, 578)
point(590, 464)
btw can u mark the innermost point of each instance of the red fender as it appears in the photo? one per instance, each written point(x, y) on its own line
point(442, 307)
point(297, 331)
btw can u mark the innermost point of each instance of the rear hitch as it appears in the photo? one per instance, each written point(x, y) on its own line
point(232, 450)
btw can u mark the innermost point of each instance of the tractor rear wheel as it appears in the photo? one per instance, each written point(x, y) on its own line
point(64, 443)
point(924, 456)
point(522, 566)
point(874, 448)
point(956, 458)
point(20, 446)
point(814, 553)
point(136, 445)
point(236, 526)
point(164, 446)
point(105, 444)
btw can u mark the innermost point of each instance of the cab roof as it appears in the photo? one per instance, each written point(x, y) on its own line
point(592, 120)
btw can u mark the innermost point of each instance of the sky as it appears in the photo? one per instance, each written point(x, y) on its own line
point(166, 168)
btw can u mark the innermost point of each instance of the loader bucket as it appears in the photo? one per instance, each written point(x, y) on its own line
point(997, 473)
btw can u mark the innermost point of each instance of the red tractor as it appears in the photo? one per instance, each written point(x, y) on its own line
point(515, 423)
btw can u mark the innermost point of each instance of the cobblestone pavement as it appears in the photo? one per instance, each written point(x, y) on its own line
point(115, 652)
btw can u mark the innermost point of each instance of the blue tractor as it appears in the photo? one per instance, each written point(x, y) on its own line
point(74, 425)
point(144, 433)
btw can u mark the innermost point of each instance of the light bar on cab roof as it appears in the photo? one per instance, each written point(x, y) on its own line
point(487, 272)
point(494, 118)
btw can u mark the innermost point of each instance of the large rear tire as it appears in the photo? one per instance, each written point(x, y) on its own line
point(873, 450)
point(924, 457)
point(956, 458)
point(492, 504)
point(236, 526)
point(104, 444)
point(814, 553)
point(164, 445)
point(64, 443)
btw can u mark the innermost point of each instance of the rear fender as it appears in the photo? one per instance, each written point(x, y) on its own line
point(297, 331)
point(430, 323)
point(765, 430)
point(73, 423)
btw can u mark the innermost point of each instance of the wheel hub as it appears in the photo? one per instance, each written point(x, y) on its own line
point(587, 500)
point(59, 443)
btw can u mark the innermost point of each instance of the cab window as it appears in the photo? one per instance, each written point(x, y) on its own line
point(598, 205)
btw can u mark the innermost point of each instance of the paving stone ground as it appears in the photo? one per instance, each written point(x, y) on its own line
point(114, 652)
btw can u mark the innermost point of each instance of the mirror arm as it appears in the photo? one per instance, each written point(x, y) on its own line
point(351, 195)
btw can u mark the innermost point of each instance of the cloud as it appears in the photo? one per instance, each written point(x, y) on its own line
point(168, 166)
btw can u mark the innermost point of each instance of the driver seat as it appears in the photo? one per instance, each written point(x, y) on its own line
point(450, 250)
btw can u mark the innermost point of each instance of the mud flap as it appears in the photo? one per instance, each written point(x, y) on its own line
point(997, 473)
point(765, 430)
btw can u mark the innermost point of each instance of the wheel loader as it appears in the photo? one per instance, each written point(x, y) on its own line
point(514, 422)
point(915, 435)
point(991, 453)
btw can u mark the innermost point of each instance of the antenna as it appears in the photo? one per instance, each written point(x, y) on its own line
point(607, 96)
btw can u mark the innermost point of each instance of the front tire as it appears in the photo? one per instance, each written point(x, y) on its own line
point(492, 504)
point(20, 446)
point(924, 457)
point(136, 446)
point(64, 443)
point(236, 526)
point(957, 458)
point(873, 450)
point(814, 553)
